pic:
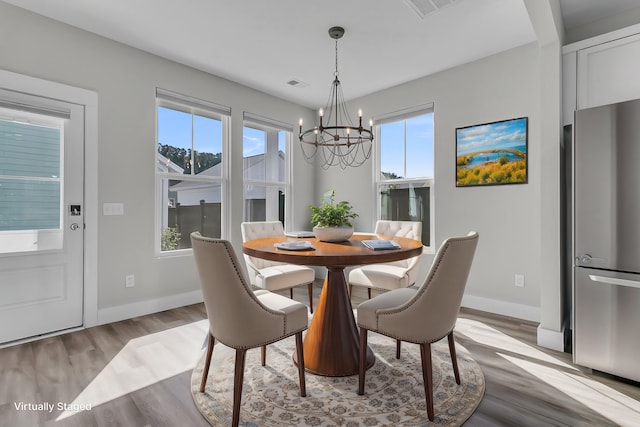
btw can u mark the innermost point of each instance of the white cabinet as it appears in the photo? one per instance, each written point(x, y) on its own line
point(608, 72)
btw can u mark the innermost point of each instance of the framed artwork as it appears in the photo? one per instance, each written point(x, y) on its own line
point(492, 153)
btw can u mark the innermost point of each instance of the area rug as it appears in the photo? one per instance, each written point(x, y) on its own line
point(394, 392)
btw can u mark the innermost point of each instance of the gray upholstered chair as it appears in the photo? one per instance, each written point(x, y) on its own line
point(272, 275)
point(239, 317)
point(394, 275)
point(422, 315)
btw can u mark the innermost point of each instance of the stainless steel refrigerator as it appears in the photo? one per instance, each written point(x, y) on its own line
point(606, 231)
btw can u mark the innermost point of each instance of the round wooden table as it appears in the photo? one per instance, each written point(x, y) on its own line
point(332, 341)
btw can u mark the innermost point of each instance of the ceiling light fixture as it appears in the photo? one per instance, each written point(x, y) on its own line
point(336, 140)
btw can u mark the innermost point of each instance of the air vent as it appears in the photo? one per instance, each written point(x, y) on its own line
point(297, 83)
point(423, 8)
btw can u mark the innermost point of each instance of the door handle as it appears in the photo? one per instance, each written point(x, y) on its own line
point(615, 281)
point(74, 226)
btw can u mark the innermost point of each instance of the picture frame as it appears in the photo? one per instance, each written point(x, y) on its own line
point(494, 153)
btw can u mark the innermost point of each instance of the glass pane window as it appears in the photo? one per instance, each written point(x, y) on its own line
point(190, 172)
point(191, 205)
point(253, 153)
point(407, 202)
point(190, 142)
point(30, 165)
point(260, 199)
point(264, 171)
point(406, 148)
point(406, 170)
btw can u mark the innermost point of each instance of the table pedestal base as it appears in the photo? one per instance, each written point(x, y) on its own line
point(332, 341)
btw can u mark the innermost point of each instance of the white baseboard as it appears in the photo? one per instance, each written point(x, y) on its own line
point(551, 339)
point(142, 308)
point(504, 308)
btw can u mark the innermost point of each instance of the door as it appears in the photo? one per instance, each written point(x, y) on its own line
point(607, 195)
point(41, 215)
point(606, 321)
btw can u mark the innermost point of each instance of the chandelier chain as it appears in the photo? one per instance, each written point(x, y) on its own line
point(336, 72)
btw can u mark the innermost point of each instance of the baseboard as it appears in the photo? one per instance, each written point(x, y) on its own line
point(504, 308)
point(142, 308)
point(554, 340)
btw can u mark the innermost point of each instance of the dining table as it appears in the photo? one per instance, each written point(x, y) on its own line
point(331, 344)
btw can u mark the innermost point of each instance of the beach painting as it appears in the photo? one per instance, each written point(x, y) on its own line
point(492, 153)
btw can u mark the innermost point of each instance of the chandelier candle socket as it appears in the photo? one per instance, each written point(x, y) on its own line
point(336, 140)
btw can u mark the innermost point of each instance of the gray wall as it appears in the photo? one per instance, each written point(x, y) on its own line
point(125, 80)
point(509, 218)
point(514, 221)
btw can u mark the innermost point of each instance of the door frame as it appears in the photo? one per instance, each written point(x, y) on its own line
point(88, 99)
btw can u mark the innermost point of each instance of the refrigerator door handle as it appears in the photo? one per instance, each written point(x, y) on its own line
point(615, 281)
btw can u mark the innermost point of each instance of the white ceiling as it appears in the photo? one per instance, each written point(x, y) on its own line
point(265, 44)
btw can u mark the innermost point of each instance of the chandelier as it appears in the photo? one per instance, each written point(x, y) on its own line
point(336, 141)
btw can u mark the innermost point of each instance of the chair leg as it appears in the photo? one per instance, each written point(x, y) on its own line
point(211, 341)
point(300, 355)
point(369, 292)
point(398, 343)
point(291, 293)
point(425, 355)
point(454, 358)
point(263, 355)
point(238, 378)
point(362, 368)
point(310, 289)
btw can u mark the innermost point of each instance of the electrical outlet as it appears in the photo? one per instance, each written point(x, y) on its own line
point(129, 281)
point(519, 281)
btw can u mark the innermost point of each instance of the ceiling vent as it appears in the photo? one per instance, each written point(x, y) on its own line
point(423, 8)
point(297, 83)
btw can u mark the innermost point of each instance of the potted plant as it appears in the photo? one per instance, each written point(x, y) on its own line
point(332, 221)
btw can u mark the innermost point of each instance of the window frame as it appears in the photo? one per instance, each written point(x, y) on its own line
point(425, 181)
point(193, 106)
point(268, 125)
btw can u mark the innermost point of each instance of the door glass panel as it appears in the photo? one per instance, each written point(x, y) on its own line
point(30, 183)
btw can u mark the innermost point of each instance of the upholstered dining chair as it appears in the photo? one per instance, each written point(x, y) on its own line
point(239, 317)
point(272, 275)
point(394, 275)
point(422, 315)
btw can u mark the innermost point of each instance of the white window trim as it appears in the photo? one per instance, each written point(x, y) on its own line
point(403, 114)
point(188, 104)
point(262, 123)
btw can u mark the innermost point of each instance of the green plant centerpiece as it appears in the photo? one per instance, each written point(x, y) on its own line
point(332, 220)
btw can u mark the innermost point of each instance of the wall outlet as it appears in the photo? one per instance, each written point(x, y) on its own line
point(129, 281)
point(519, 281)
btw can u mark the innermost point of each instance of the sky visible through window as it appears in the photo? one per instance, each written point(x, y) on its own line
point(174, 128)
point(417, 161)
point(253, 141)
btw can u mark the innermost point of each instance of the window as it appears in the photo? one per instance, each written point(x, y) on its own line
point(31, 181)
point(266, 181)
point(405, 168)
point(190, 169)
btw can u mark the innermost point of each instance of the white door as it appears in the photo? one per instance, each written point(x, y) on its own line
point(41, 215)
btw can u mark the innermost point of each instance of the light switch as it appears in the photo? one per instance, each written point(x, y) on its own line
point(113, 209)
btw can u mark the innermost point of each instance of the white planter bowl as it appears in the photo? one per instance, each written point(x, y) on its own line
point(333, 234)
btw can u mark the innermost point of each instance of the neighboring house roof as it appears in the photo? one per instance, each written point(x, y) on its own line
point(252, 165)
point(166, 165)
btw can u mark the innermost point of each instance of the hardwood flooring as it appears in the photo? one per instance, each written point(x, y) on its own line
point(137, 373)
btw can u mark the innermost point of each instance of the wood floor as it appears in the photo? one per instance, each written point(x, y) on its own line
point(137, 372)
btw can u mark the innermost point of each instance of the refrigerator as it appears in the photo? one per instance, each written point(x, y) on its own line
point(606, 239)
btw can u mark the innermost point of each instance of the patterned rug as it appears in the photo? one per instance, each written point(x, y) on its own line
point(394, 392)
